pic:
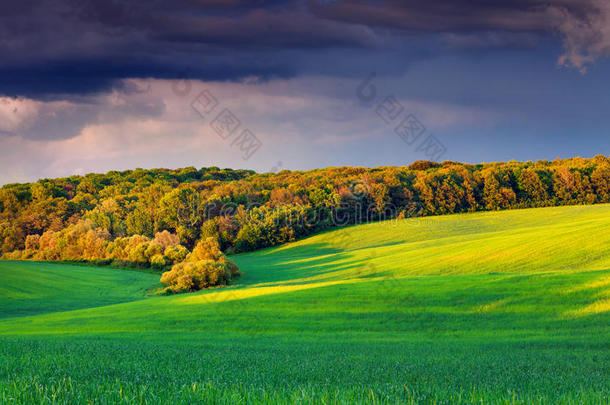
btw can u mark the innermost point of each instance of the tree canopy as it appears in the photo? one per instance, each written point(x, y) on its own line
point(156, 218)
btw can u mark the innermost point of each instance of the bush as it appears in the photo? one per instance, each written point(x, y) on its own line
point(205, 267)
point(166, 239)
point(193, 276)
point(15, 255)
point(206, 249)
point(32, 242)
point(176, 254)
point(158, 261)
point(233, 269)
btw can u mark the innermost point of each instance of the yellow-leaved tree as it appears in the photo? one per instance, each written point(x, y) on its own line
point(205, 267)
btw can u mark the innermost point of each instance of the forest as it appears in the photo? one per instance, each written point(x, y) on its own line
point(161, 218)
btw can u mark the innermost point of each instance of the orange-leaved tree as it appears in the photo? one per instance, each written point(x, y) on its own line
point(205, 267)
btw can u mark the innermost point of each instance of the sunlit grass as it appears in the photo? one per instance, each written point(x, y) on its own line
point(509, 307)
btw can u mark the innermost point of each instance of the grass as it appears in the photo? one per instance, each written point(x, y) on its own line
point(509, 307)
point(30, 288)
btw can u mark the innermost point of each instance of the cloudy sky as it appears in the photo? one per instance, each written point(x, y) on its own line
point(98, 85)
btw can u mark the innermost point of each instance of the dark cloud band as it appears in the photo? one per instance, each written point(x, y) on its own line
point(72, 47)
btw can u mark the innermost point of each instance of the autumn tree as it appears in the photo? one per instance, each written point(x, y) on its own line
point(205, 267)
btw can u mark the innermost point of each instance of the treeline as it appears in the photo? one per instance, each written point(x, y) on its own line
point(205, 266)
point(125, 212)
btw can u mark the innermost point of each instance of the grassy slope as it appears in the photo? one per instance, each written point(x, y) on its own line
point(30, 288)
point(485, 306)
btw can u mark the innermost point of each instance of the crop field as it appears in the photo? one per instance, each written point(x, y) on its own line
point(498, 307)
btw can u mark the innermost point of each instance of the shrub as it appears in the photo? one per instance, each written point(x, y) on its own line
point(49, 248)
point(32, 242)
point(153, 250)
point(193, 276)
point(233, 269)
point(176, 254)
point(205, 267)
point(158, 261)
point(166, 239)
point(15, 255)
point(206, 249)
point(138, 253)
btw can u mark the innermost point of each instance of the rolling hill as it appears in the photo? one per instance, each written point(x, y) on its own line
point(498, 307)
point(34, 288)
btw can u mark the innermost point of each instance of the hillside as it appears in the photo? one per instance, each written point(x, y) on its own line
point(489, 307)
point(34, 288)
point(101, 218)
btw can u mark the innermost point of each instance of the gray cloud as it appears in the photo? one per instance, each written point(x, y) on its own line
point(442, 15)
point(64, 119)
point(583, 25)
point(586, 35)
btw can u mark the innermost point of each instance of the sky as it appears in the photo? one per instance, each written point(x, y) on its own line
point(99, 85)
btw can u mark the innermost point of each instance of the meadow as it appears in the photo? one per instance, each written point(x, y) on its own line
point(495, 307)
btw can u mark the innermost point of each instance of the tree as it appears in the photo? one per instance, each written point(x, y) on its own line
point(32, 242)
point(206, 249)
point(168, 211)
point(205, 267)
point(600, 180)
point(182, 211)
point(532, 189)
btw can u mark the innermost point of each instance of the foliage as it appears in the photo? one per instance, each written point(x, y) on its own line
point(85, 241)
point(193, 276)
point(205, 267)
point(245, 211)
point(513, 309)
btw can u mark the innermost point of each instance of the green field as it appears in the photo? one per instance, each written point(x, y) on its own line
point(506, 307)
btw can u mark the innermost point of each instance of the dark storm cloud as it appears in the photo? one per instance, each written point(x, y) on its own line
point(583, 25)
point(71, 46)
point(441, 15)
